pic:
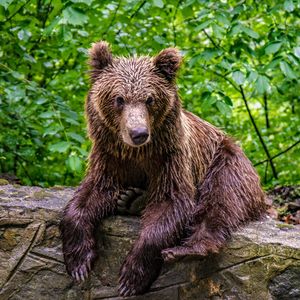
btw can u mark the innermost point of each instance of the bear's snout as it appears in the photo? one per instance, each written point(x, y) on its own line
point(139, 135)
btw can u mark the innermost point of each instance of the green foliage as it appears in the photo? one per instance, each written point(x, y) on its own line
point(238, 54)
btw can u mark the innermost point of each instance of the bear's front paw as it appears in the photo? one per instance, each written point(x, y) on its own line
point(136, 276)
point(131, 201)
point(79, 266)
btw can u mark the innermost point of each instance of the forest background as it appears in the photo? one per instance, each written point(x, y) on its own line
point(241, 73)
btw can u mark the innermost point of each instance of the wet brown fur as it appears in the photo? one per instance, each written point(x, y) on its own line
point(197, 179)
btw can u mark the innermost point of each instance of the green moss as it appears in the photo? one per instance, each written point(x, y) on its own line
point(3, 181)
point(41, 195)
point(284, 225)
point(57, 187)
point(282, 211)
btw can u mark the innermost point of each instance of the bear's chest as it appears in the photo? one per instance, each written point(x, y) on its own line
point(132, 174)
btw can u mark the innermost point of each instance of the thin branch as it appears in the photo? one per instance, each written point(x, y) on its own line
point(224, 77)
point(18, 162)
point(213, 42)
point(138, 9)
point(258, 133)
point(25, 170)
point(266, 172)
point(130, 19)
point(112, 19)
point(266, 110)
point(278, 154)
point(210, 38)
point(173, 23)
point(48, 13)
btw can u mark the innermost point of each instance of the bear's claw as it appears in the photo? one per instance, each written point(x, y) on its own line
point(125, 291)
point(136, 277)
point(80, 270)
point(127, 283)
point(171, 254)
point(81, 273)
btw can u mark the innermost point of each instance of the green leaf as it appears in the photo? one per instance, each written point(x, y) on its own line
point(238, 77)
point(75, 164)
point(76, 137)
point(223, 19)
point(287, 70)
point(250, 32)
point(273, 47)
point(218, 31)
point(80, 150)
point(208, 102)
point(203, 25)
point(47, 114)
point(71, 121)
point(52, 130)
point(297, 51)
point(210, 53)
point(60, 147)
point(228, 101)
point(272, 65)
point(24, 35)
point(17, 75)
point(194, 60)
point(252, 76)
point(6, 3)
point(225, 64)
point(159, 39)
point(41, 100)
point(187, 12)
point(87, 2)
point(158, 3)
point(293, 60)
point(48, 30)
point(73, 16)
point(289, 5)
point(66, 33)
point(236, 29)
point(188, 3)
point(224, 108)
point(262, 84)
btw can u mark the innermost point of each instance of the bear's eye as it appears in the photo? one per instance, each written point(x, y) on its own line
point(119, 102)
point(149, 100)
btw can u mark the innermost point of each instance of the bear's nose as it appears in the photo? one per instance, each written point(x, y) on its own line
point(139, 135)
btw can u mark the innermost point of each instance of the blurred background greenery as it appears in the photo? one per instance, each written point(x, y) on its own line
point(241, 73)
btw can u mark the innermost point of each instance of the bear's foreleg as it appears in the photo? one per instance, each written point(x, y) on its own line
point(163, 222)
point(90, 203)
point(229, 196)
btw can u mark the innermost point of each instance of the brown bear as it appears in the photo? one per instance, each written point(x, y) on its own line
point(199, 184)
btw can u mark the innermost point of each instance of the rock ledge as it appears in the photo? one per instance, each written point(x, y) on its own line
point(261, 262)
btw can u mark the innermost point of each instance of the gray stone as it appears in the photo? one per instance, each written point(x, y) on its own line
point(262, 261)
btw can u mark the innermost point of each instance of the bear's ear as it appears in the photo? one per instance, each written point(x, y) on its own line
point(168, 62)
point(100, 57)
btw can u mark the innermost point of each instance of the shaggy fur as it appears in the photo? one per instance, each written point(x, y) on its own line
point(197, 179)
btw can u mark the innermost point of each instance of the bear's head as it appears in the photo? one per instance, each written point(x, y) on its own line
point(133, 96)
